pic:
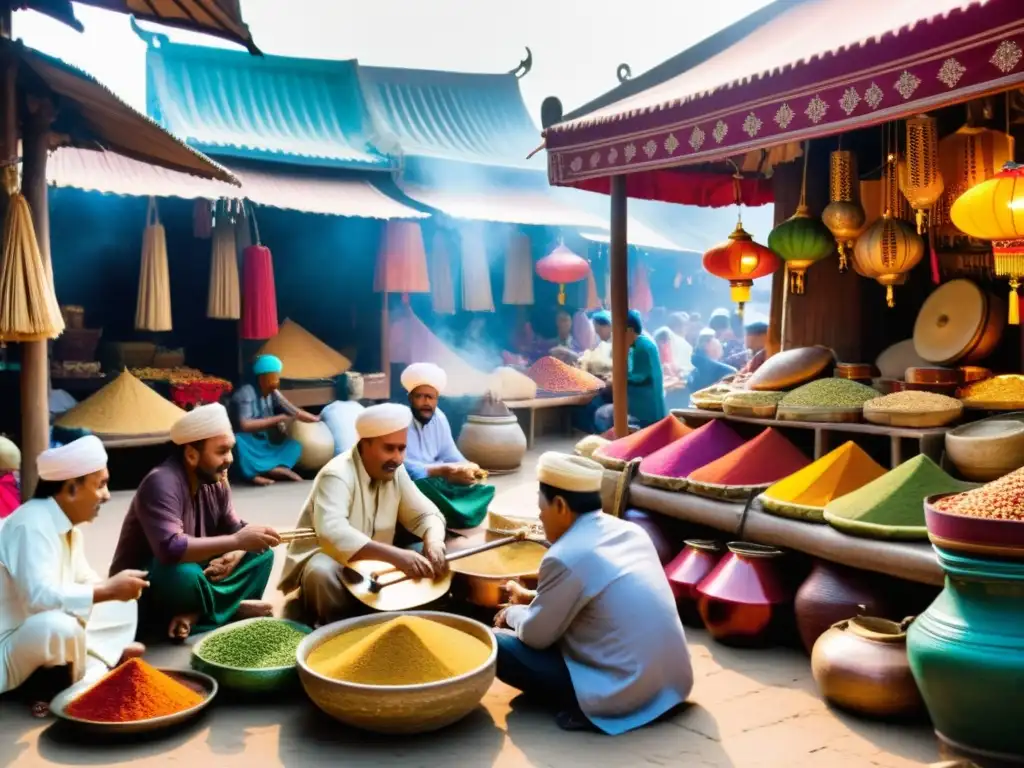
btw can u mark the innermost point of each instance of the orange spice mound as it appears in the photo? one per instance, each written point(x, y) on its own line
point(767, 458)
point(646, 441)
point(552, 375)
point(131, 692)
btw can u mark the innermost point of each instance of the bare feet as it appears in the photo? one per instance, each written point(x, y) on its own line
point(253, 609)
point(181, 628)
point(283, 473)
point(132, 651)
point(262, 481)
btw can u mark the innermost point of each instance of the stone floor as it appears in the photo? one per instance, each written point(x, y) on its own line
point(751, 708)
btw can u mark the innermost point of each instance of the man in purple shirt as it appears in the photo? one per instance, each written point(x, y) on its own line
point(206, 566)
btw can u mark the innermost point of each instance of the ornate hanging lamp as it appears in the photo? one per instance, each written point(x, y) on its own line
point(844, 215)
point(562, 266)
point(741, 261)
point(920, 178)
point(994, 210)
point(801, 240)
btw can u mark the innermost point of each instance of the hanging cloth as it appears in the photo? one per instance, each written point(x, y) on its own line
point(476, 273)
point(640, 297)
point(593, 301)
point(153, 308)
point(28, 304)
point(202, 219)
point(259, 297)
point(442, 294)
point(518, 289)
point(224, 301)
point(243, 230)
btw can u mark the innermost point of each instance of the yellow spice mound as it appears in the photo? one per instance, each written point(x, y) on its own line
point(522, 557)
point(303, 355)
point(126, 407)
point(408, 650)
point(846, 469)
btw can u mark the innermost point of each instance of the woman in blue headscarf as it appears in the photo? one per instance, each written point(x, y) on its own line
point(261, 414)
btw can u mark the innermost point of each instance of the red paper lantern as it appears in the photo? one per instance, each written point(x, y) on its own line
point(741, 261)
point(259, 299)
point(562, 266)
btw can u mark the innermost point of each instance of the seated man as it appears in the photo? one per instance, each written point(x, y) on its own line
point(356, 503)
point(206, 566)
point(340, 415)
point(600, 640)
point(59, 622)
point(432, 458)
point(265, 453)
point(645, 381)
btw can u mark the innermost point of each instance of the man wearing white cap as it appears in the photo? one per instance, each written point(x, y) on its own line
point(600, 639)
point(207, 567)
point(59, 621)
point(432, 458)
point(357, 502)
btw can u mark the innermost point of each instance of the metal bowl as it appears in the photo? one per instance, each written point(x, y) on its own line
point(398, 708)
point(262, 680)
point(197, 681)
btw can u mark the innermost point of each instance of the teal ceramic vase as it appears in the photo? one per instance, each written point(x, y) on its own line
point(966, 653)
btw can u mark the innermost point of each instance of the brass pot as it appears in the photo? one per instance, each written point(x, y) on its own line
point(486, 591)
point(861, 665)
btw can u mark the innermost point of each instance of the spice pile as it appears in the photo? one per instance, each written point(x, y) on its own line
point(133, 691)
point(408, 650)
point(913, 402)
point(830, 393)
point(264, 644)
point(752, 399)
point(1007, 389)
point(124, 407)
point(641, 443)
point(702, 446)
point(1002, 499)
point(552, 375)
point(520, 558)
point(762, 461)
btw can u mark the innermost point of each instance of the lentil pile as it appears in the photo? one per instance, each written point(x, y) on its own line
point(552, 375)
point(131, 692)
point(830, 393)
point(1007, 388)
point(754, 398)
point(913, 402)
point(522, 557)
point(408, 650)
point(261, 644)
point(1002, 499)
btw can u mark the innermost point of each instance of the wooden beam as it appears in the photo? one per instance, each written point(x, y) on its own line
point(619, 271)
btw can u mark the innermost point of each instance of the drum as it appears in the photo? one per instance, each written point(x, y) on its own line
point(959, 323)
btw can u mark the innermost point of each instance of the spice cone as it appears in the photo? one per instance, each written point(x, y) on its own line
point(643, 443)
point(303, 355)
point(123, 408)
point(765, 459)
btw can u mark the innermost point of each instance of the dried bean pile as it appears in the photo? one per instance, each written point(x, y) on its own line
point(1002, 499)
point(553, 375)
point(257, 645)
point(913, 402)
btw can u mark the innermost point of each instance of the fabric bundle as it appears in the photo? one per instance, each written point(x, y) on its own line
point(202, 220)
point(640, 297)
point(402, 260)
point(476, 273)
point(153, 308)
point(593, 301)
point(259, 307)
point(518, 289)
point(28, 304)
point(224, 301)
point(442, 294)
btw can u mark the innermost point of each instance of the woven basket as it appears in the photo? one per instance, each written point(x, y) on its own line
point(706, 404)
point(607, 461)
point(802, 512)
point(725, 492)
point(663, 482)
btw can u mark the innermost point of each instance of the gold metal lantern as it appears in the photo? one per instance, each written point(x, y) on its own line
point(887, 251)
point(920, 179)
point(844, 215)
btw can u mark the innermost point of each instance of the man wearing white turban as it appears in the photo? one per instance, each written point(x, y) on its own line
point(600, 639)
point(357, 502)
point(59, 621)
point(432, 458)
point(207, 567)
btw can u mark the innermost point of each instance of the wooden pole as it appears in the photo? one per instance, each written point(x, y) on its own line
point(35, 364)
point(619, 275)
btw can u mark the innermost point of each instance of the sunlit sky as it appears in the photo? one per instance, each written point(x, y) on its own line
point(577, 44)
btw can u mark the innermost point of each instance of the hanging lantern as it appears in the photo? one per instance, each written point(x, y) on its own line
point(967, 158)
point(562, 266)
point(994, 210)
point(741, 261)
point(402, 261)
point(886, 251)
point(844, 215)
point(920, 178)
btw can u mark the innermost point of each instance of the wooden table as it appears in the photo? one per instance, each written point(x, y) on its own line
point(526, 411)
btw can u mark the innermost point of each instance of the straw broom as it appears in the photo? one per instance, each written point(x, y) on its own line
point(28, 303)
point(153, 309)
point(224, 301)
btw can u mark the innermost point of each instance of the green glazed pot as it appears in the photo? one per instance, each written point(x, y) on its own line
point(966, 653)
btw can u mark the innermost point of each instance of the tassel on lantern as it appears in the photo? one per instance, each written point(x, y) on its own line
point(920, 178)
point(153, 308)
point(224, 301)
point(259, 295)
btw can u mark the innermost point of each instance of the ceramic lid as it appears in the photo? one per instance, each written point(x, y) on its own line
point(950, 321)
point(791, 368)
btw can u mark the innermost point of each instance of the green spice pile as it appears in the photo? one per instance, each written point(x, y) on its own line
point(830, 393)
point(257, 645)
point(1002, 499)
point(754, 398)
point(914, 402)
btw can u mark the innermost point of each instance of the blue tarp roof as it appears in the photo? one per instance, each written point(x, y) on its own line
point(275, 108)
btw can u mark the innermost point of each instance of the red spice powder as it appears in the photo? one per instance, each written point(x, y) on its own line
point(133, 691)
point(701, 446)
point(762, 461)
point(646, 441)
point(552, 375)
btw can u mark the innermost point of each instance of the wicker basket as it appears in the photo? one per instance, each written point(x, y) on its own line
point(794, 511)
point(725, 492)
point(663, 482)
point(74, 317)
point(608, 462)
point(169, 358)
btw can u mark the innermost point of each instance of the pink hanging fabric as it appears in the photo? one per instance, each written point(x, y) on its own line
point(10, 496)
point(640, 297)
point(259, 297)
point(593, 301)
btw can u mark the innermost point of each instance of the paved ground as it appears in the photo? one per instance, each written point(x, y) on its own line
point(752, 708)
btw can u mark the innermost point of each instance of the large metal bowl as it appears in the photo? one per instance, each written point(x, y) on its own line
point(398, 708)
point(250, 680)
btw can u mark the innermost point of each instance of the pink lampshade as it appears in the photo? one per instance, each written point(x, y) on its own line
point(402, 260)
point(640, 297)
point(562, 266)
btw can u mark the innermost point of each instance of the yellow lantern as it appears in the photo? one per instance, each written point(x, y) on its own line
point(920, 179)
point(844, 215)
point(887, 251)
point(994, 210)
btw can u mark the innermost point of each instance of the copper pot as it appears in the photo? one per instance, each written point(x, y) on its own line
point(487, 591)
point(687, 570)
point(861, 665)
point(832, 593)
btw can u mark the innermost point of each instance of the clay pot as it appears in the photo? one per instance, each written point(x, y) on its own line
point(831, 594)
point(687, 570)
point(746, 600)
point(655, 530)
point(861, 665)
point(496, 443)
point(317, 444)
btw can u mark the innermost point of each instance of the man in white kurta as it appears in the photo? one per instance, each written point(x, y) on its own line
point(55, 611)
point(600, 639)
point(356, 504)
